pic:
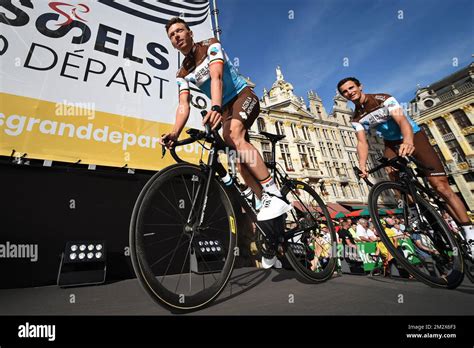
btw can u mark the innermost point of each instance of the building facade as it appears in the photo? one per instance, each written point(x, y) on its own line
point(319, 148)
point(445, 110)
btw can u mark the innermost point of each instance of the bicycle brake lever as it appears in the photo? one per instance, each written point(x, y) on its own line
point(163, 151)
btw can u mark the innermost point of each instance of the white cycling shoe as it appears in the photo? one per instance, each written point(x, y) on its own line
point(269, 263)
point(272, 207)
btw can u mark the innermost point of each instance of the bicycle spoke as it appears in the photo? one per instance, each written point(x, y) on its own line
point(173, 205)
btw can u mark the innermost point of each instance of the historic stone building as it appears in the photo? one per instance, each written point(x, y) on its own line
point(445, 110)
point(319, 148)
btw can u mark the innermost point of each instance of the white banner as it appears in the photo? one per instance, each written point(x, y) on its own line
point(106, 66)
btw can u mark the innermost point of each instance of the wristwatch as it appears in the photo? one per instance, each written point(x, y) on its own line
point(217, 108)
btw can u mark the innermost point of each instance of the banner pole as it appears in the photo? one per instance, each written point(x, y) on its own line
point(215, 12)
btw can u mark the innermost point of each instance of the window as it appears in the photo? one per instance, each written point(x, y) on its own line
point(266, 152)
point(323, 149)
point(318, 110)
point(306, 133)
point(334, 190)
point(326, 134)
point(294, 130)
point(344, 167)
point(353, 159)
point(461, 118)
point(427, 131)
point(470, 140)
point(339, 151)
point(303, 156)
point(442, 125)
point(456, 151)
point(329, 168)
point(312, 157)
point(285, 153)
point(318, 133)
point(331, 150)
point(469, 177)
point(353, 138)
point(334, 135)
point(279, 128)
point(261, 125)
point(345, 138)
point(352, 191)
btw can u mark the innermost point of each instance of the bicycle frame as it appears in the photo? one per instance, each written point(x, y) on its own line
point(409, 178)
point(214, 166)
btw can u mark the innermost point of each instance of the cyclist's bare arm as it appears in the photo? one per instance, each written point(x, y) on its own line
point(362, 151)
point(407, 147)
point(182, 115)
point(216, 70)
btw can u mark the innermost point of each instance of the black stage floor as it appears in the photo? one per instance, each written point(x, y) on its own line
point(253, 291)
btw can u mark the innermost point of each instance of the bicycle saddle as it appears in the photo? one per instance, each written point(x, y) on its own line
point(273, 137)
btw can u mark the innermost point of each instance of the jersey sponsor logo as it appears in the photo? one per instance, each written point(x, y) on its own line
point(243, 115)
point(214, 51)
point(249, 104)
point(380, 97)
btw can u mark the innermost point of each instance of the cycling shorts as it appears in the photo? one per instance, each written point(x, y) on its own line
point(424, 152)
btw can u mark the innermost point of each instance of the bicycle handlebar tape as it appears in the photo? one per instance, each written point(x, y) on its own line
point(207, 125)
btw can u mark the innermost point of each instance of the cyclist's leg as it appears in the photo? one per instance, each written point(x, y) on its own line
point(238, 116)
point(250, 163)
point(437, 178)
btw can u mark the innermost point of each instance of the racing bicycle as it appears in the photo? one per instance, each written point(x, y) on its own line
point(429, 250)
point(186, 220)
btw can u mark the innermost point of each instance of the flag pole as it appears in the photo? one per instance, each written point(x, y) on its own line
point(215, 12)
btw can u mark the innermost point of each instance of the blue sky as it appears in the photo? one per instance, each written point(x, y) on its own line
point(388, 54)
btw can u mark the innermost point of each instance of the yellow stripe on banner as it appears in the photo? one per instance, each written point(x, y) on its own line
point(54, 131)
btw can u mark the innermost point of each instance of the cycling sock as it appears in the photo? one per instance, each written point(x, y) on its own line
point(248, 193)
point(269, 186)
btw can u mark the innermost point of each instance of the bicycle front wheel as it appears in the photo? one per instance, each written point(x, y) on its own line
point(310, 239)
point(428, 250)
point(182, 240)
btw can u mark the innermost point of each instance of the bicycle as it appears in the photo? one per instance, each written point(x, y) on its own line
point(185, 224)
point(430, 251)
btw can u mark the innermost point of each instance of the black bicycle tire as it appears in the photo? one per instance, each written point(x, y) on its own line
point(456, 276)
point(327, 273)
point(158, 296)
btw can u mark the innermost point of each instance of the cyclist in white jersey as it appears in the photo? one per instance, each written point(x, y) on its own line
point(234, 105)
point(382, 112)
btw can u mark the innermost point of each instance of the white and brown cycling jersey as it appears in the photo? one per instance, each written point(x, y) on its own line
point(195, 69)
point(375, 111)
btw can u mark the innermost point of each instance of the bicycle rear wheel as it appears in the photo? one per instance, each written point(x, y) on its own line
point(183, 259)
point(310, 248)
point(428, 250)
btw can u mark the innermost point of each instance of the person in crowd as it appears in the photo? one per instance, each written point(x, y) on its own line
point(363, 232)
